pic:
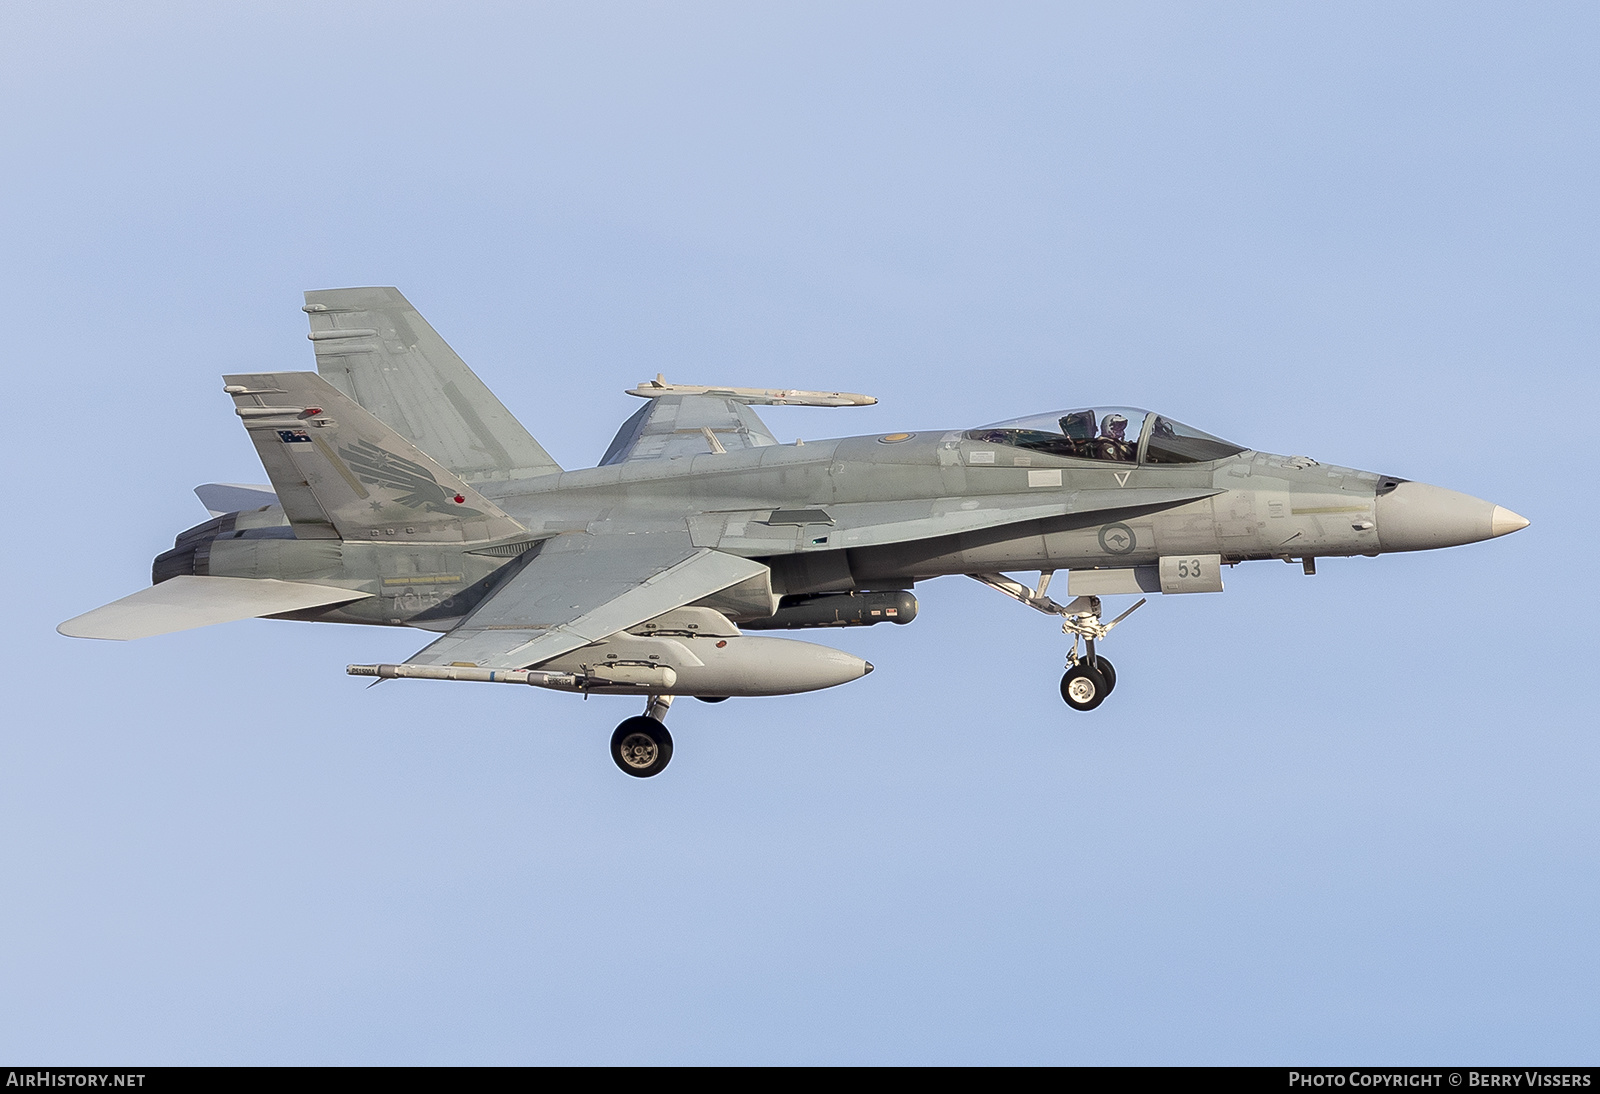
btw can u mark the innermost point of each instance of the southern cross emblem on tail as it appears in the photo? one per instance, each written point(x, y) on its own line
point(420, 489)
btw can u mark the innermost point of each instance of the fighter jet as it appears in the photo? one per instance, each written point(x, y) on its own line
point(404, 494)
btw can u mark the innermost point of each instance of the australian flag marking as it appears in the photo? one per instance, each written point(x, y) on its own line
point(294, 436)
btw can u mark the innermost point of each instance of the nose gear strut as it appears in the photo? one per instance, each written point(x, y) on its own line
point(1089, 678)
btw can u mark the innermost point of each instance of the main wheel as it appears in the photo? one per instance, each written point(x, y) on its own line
point(1104, 668)
point(1083, 688)
point(642, 747)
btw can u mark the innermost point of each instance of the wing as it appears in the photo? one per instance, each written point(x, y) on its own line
point(581, 588)
point(372, 345)
point(687, 425)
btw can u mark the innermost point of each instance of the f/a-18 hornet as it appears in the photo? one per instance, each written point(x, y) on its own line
point(405, 494)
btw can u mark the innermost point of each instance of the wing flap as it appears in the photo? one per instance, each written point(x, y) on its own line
point(581, 589)
point(187, 601)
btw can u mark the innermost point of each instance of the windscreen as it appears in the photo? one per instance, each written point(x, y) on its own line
point(1174, 442)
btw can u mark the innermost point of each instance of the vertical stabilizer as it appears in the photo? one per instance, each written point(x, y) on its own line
point(373, 346)
point(340, 472)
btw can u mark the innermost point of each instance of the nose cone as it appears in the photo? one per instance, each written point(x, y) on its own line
point(1417, 517)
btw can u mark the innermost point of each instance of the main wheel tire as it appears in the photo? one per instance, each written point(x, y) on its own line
point(1105, 669)
point(1083, 688)
point(641, 747)
point(712, 698)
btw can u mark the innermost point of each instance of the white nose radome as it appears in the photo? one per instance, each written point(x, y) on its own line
point(1504, 522)
point(1415, 516)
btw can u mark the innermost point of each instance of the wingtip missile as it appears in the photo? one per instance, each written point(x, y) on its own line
point(754, 396)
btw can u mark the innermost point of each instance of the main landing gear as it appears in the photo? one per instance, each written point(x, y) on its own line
point(1090, 677)
point(641, 746)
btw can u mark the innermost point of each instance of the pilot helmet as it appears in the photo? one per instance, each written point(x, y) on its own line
point(1114, 426)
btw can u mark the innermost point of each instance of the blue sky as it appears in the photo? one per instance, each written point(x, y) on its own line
point(1348, 818)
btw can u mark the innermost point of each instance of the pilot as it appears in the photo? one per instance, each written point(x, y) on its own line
point(1113, 443)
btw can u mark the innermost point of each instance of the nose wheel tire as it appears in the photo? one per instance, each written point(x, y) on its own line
point(1083, 687)
point(1104, 668)
point(641, 747)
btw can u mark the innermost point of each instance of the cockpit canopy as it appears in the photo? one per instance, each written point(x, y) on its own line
point(1120, 434)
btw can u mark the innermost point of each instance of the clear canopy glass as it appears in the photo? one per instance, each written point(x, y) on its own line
point(1117, 434)
point(1174, 442)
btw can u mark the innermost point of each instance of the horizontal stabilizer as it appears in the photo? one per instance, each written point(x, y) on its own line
point(234, 497)
point(185, 602)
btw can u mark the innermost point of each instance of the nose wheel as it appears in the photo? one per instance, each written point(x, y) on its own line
point(1104, 667)
point(1089, 678)
point(641, 746)
point(1086, 684)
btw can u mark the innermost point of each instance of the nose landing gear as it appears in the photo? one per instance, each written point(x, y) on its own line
point(641, 746)
point(1083, 688)
point(1089, 678)
point(1087, 683)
